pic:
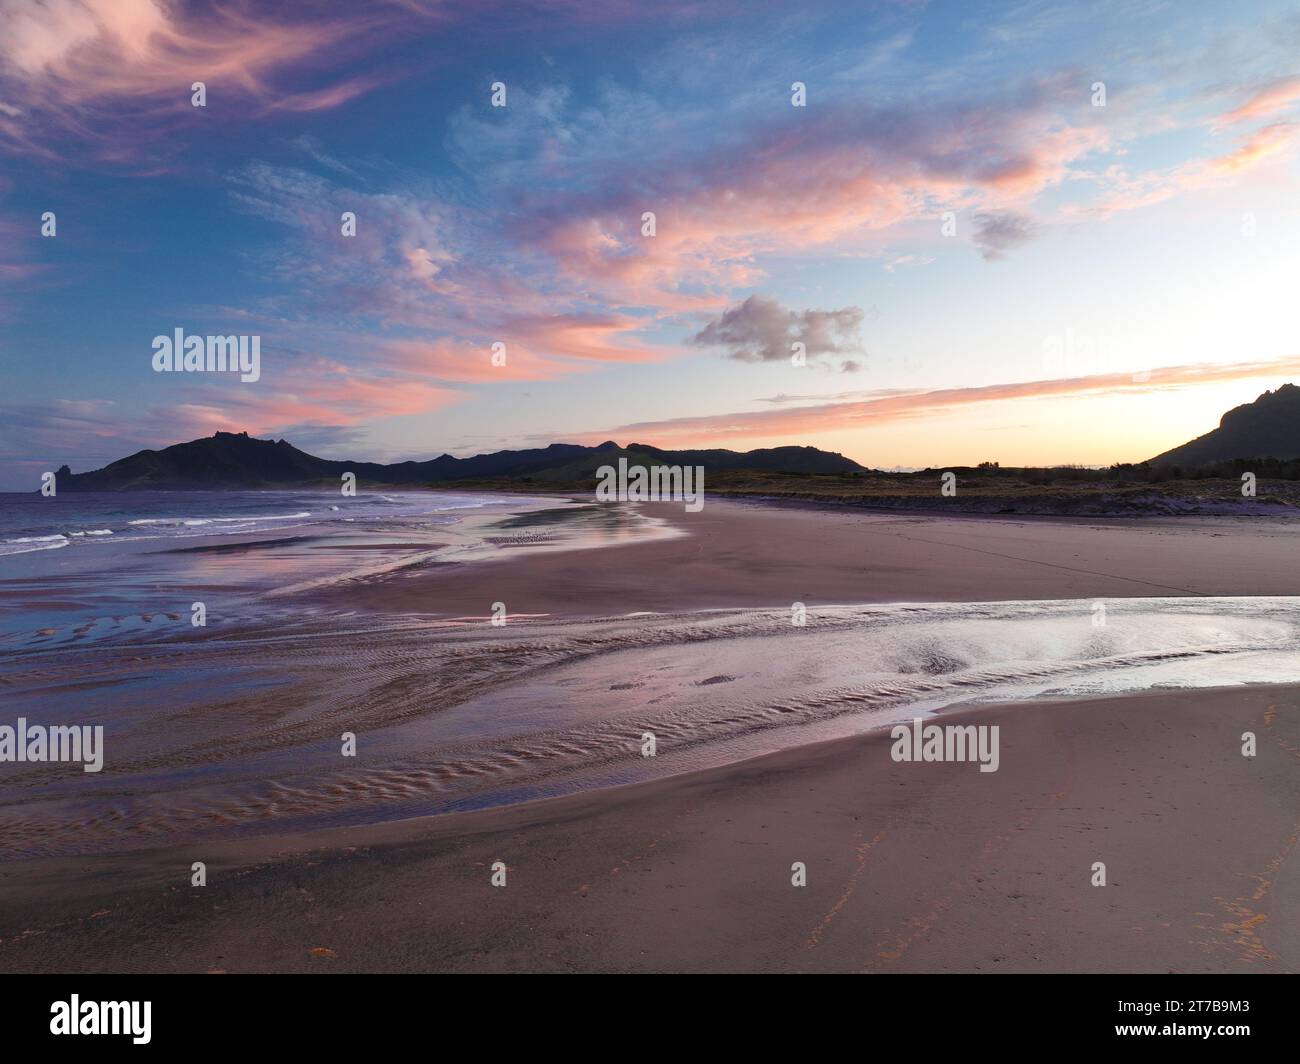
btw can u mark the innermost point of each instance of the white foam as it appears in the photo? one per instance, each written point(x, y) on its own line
point(178, 522)
point(717, 685)
point(26, 544)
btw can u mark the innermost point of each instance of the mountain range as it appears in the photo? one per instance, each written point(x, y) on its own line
point(1267, 428)
point(237, 460)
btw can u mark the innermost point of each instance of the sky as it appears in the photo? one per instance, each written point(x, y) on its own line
point(1034, 233)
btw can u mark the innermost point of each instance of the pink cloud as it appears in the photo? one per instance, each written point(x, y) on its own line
point(470, 363)
point(17, 265)
point(1267, 101)
point(439, 281)
point(586, 337)
point(1262, 144)
point(540, 347)
point(74, 64)
point(344, 401)
point(1144, 190)
point(94, 431)
point(77, 65)
point(401, 377)
point(529, 276)
point(809, 182)
point(796, 423)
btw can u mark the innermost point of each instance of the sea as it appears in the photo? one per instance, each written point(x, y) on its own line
point(87, 566)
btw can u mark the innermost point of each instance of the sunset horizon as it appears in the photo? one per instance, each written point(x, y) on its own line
point(626, 437)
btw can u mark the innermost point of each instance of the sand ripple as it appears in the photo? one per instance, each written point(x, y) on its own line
point(209, 736)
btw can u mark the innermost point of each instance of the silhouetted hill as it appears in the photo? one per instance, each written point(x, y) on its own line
point(237, 460)
point(1267, 428)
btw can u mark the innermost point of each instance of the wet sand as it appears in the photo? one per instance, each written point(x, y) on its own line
point(751, 555)
point(911, 867)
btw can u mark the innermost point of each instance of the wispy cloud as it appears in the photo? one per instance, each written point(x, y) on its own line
point(808, 181)
point(428, 280)
point(799, 423)
point(96, 71)
point(1127, 192)
point(1267, 101)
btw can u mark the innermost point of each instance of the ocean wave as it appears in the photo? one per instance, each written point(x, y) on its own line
point(26, 544)
point(194, 522)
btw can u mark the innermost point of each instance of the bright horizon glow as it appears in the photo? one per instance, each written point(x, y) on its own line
point(1122, 428)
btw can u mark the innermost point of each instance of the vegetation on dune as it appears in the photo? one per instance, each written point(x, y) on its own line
point(990, 488)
